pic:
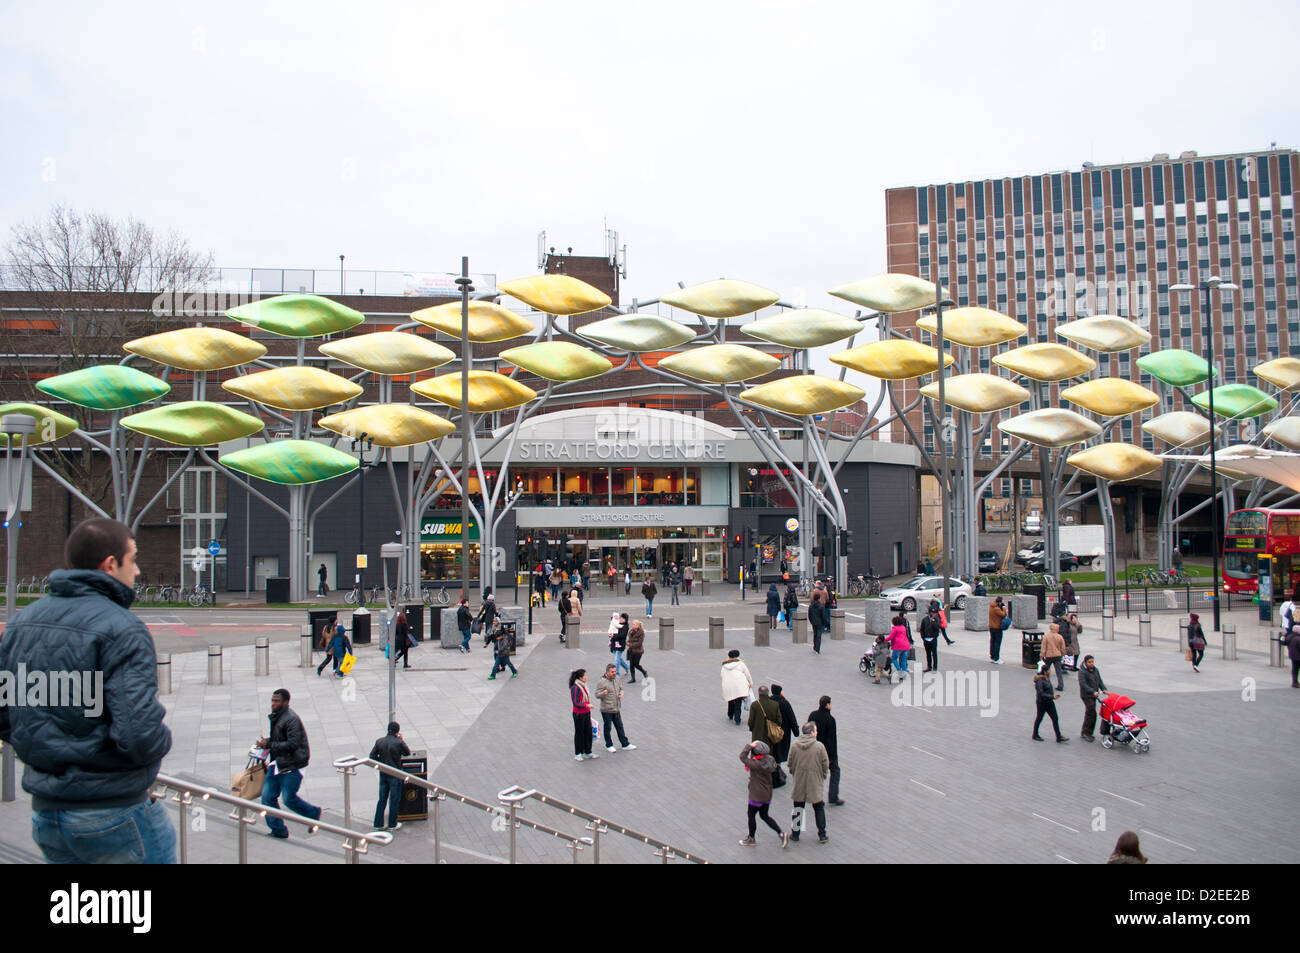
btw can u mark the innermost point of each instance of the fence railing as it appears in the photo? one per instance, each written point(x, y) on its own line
point(1131, 599)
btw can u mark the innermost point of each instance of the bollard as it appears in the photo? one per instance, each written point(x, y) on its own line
point(666, 635)
point(762, 630)
point(877, 621)
point(7, 772)
point(800, 627)
point(1229, 641)
point(262, 655)
point(704, 586)
point(164, 669)
point(837, 625)
point(305, 647)
point(1277, 654)
point(573, 632)
point(1144, 629)
point(1182, 635)
point(1108, 624)
point(214, 665)
point(716, 632)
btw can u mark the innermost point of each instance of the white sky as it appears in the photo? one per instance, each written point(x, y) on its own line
point(749, 139)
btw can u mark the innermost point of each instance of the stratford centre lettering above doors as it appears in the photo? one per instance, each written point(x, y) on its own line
point(539, 450)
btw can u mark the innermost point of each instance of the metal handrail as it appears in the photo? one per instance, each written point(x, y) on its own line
point(250, 812)
point(348, 767)
point(599, 825)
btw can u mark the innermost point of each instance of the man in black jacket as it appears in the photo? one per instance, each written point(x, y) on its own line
point(389, 750)
point(93, 744)
point(1090, 683)
point(825, 723)
point(290, 753)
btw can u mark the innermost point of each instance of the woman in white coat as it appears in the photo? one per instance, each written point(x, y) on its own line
point(737, 684)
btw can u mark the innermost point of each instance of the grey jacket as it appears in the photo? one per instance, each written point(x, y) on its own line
point(811, 766)
point(73, 759)
point(607, 690)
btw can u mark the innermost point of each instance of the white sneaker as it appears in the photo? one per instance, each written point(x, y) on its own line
point(577, 757)
point(593, 755)
point(629, 747)
point(609, 748)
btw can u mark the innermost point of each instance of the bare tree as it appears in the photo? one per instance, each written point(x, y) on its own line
point(80, 286)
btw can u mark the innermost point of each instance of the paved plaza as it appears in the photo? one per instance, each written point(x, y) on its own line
point(922, 782)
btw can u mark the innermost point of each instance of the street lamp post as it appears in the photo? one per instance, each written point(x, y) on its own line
point(13, 426)
point(390, 552)
point(1208, 285)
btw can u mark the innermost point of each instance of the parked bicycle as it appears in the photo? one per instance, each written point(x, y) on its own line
point(201, 595)
point(864, 585)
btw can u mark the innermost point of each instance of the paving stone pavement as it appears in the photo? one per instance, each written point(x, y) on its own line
point(923, 783)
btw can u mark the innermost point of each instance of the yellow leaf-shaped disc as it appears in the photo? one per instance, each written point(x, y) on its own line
point(893, 359)
point(637, 333)
point(1182, 428)
point(50, 424)
point(1050, 427)
point(1283, 373)
point(1045, 362)
point(974, 327)
point(197, 349)
point(558, 361)
point(723, 298)
point(1285, 431)
point(389, 425)
point(978, 393)
point(556, 294)
point(722, 363)
point(194, 423)
point(389, 352)
point(488, 322)
point(1111, 396)
point(804, 327)
point(805, 394)
point(889, 292)
point(1116, 462)
point(488, 391)
point(294, 388)
point(1104, 332)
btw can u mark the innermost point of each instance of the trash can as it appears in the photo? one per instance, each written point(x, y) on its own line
point(415, 620)
point(277, 589)
point(1031, 648)
point(414, 805)
point(319, 618)
point(359, 627)
point(1039, 592)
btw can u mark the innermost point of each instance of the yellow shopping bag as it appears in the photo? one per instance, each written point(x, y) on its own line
point(346, 665)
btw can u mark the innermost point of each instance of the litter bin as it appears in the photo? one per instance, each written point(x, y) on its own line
point(319, 618)
point(1031, 648)
point(359, 628)
point(415, 620)
point(415, 799)
point(277, 589)
point(1039, 592)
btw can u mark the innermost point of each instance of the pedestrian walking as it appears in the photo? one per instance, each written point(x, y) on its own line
point(389, 750)
point(1291, 635)
point(899, 645)
point(790, 603)
point(627, 581)
point(610, 693)
point(288, 753)
point(773, 605)
point(789, 725)
point(323, 574)
point(1195, 641)
point(998, 615)
point(1053, 650)
point(1178, 559)
point(737, 684)
point(826, 734)
point(578, 590)
point(1070, 630)
point(810, 766)
point(1090, 683)
point(539, 587)
point(930, 640)
point(580, 697)
point(764, 715)
point(618, 630)
point(1067, 594)
point(675, 584)
point(688, 578)
point(635, 649)
point(942, 616)
point(337, 646)
point(929, 567)
point(756, 757)
point(402, 640)
point(1127, 850)
point(1046, 704)
point(566, 609)
point(648, 591)
point(89, 771)
point(818, 618)
point(487, 615)
point(611, 574)
point(465, 623)
point(979, 588)
point(501, 654)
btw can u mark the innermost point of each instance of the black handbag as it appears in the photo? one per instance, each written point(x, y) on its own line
point(778, 778)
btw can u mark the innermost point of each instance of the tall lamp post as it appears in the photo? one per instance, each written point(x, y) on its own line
point(13, 426)
point(390, 553)
point(1208, 285)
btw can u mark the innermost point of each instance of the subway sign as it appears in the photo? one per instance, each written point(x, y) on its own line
point(434, 531)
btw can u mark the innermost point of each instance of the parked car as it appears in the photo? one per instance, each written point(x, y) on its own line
point(990, 560)
point(1069, 562)
point(1029, 552)
point(1033, 525)
point(920, 590)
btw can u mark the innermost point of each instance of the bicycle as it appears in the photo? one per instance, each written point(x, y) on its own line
point(356, 596)
point(442, 597)
point(201, 595)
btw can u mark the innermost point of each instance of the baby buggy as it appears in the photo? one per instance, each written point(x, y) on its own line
point(867, 665)
point(1120, 723)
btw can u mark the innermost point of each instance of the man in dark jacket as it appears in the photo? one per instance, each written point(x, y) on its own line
point(92, 746)
point(825, 723)
point(389, 750)
point(1090, 682)
point(781, 750)
point(930, 639)
point(464, 622)
point(289, 754)
point(818, 618)
point(760, 713)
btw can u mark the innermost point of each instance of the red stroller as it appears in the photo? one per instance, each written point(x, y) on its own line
point(1120, 723)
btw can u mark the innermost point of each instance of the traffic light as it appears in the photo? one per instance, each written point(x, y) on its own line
point(846, 542)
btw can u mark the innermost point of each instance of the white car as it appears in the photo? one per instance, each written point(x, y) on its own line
point(919, 592)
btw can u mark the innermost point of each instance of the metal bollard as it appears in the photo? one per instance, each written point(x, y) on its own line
point(164, 670)
point(1182, 635)
point(573, 632)
point(717, 639)
point(1144, 630)
point(262, 655)
point(837, 625)
point(304, 648)
point(800, 636)
point(214, 665)
point(1277, 654)
point(762, 630)
point(7, 772)
point(1108, 624)
point(667, 635)
point(1229, 642)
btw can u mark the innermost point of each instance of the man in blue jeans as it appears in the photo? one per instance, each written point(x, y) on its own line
point(89, 771)
point(290, 753)
point(389, 750)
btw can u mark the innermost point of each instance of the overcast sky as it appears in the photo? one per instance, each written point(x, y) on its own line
point(750, 140)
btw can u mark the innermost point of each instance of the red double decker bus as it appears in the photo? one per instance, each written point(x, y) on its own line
point(1254, 533)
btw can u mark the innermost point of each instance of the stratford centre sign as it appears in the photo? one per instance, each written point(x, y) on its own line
point(588, 450)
